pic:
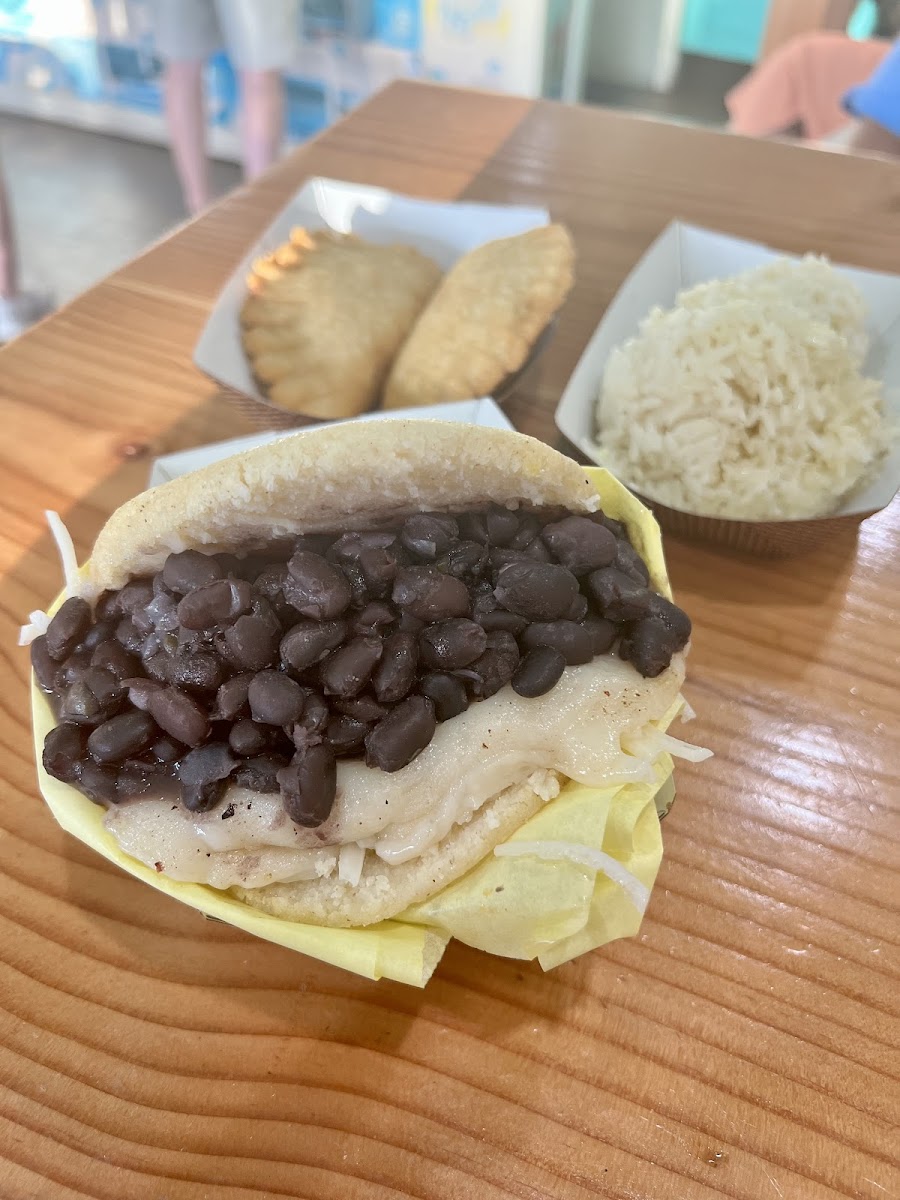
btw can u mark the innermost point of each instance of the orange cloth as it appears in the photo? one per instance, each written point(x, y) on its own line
point(803, 81)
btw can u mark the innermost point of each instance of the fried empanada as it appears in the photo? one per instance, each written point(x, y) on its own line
point(325, 317)
point(483, 319)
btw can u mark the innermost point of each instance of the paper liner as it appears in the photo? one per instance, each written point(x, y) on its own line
point(765, 539)
point(516, 907)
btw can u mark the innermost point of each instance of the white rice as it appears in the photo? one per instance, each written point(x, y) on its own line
point(746, 400)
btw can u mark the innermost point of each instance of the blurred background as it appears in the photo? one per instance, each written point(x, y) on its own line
point(84, 140)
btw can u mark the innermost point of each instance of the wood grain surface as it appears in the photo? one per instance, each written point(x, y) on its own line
point(744, 1045)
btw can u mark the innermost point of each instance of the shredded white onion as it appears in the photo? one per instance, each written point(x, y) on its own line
point(649, 743)
point(687, 713)
point(66, 548)
point(350, 863)
point(583, 856)
point(37, 625)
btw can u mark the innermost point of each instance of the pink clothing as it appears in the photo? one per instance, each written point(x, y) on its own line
point(803, 81)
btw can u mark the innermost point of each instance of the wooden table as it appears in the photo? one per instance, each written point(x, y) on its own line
point(744, 1045)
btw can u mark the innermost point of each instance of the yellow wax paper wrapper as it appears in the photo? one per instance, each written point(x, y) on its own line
point(519, 907)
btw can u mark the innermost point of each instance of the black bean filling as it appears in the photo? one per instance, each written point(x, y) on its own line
point(260, 671)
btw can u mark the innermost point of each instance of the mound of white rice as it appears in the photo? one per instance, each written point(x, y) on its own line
point(746, 400)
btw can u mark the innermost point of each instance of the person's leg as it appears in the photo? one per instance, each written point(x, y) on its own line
point(9, 258)
point(18, 309)
point(186, 117)
point(261, 39)
point(262, 120)
point(186, 34)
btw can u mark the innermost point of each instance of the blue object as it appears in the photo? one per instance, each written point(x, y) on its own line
point(398, 23)
point(878, 99)
point(864, 21)
point(729, 29)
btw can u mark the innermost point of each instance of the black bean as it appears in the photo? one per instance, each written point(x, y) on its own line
point(92, 698)
point(107, 607)
point(496, 666)
point(630, 563)
point(649, 646)
point(501, 555)
point(618, 596)
point(98, 633)
point(428, 535)
point(42, 664)
point(345, 734)
point(68, 627)
point(178, 714)
point(188, 570)
point(447, 694)
point(159, 667)
point(141, 690)
point(579, 609)
point(373, 617)
point(166, 750)
point(539, 591)
point(601, 632)
point(112, 656)
point(122, 737)
point(129, 636)
point(493, 622)
point(159, 586)
point(64, 748)
point(246, 738)
point(465, 560)
point(396, 672)
point(315, 715)
point(269, 583)
point(307, 642)
point(448, 645)
point(259, 774)
point(200, 672)
point(483, 600)
point(100, 784)
point(529, 528)
point(136, 778)
point(363, 708)
point(251, 643)
point(359, 588)
point(79, 705)
point(580, 544)
point(315, 587)
point(108, 689)
point(231, 564)
point(347, 671)
point(572, 640)
point(410, 624)
point(308, 786)
point(135, 596)
point(540, 670)
point(473, 527)
point(536, 551)
point(616, 528)
point(501, 524)
point(203, 775)
point(275, 698)
point(375, 554)
point(72, 670)
point(218, 603)
point(673, 618)
point(430, 595)
point(402, 735)
point(231, 698)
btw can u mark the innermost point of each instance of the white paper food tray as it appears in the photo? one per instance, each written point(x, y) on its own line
point(445, 232)
point(685, 255)
point(468, 412)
